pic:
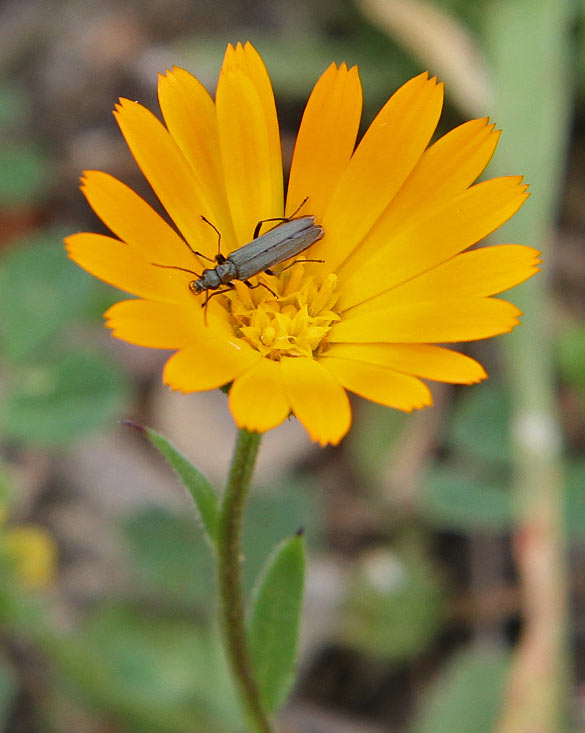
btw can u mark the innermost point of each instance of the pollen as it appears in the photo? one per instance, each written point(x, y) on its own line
point(295, 323)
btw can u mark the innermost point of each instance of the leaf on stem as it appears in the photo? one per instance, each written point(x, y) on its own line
point(201, 491)
point(274, 620)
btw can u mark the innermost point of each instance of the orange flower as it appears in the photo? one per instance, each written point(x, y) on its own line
point(397, 278)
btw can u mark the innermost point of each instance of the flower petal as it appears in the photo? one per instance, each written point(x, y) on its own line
point(131, 219)
point(384, 158)
point(326, 139)
point(249, 140)
point(445, 320)
point(189, 114)
point(212, 363)
point(317, 399)
point(481, 272)
point(433, 238)
point(124, 267)
point(258, 401)
point(445, 170)
point(378, 384)
point(155, 324)
point(169, 174)
point(421, 360)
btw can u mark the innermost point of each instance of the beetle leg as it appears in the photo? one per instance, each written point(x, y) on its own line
point(296, 262)
point(230, 286)
point(259, 285)
point(263, 221)
point(279, 218)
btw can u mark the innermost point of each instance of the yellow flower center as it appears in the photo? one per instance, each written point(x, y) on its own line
point(294, 324)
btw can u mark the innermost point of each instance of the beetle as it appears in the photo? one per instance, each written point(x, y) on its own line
point(287, 239)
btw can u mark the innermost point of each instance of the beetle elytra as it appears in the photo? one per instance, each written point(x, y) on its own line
point(277, 245)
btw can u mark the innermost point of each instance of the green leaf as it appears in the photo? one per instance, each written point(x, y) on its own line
point(8, 692)
point(571, 355)
point(463, 502)
point(480, 424)
point(274, 621)
point(40, 291)
point(575, 499)
point(61, 400)
point(396, 602)
point(465, 697)
point(24, 174)
point(455, 500)
point(173, 560)
point(201, 491)
point(157, 674)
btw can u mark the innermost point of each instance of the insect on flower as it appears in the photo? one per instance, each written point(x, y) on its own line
point(402, 280)
point(288, 239)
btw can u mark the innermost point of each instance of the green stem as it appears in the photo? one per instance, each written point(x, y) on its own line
point(229, 541)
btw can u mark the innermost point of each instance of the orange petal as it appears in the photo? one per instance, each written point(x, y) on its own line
point(481, 272)
point(421, 360)
point(383, 160)
point(326, 140)
point(131, 219)
point(258, 401)
point(249, 141)
point(169, 174)
point(212, 363)
point(317, 399)
point(124, 267)
point(378, 384)
point(445, 170)
point(433, 238)
point(189, 114)
point(445, 320)
point(155, 324)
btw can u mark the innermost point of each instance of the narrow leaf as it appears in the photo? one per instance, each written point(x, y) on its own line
point(201, 491)
point(8, 692)
point(466, 696)
point(274, 620)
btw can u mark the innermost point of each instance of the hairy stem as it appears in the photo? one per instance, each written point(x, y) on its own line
point(229, 549)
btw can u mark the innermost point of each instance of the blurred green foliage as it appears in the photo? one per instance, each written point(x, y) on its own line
point(571, 357)
point(153, 672)
point(471, 490)
point(395, 603)
point(465, 696)
point(8, 691)
point(25, 167)
point(55, 390)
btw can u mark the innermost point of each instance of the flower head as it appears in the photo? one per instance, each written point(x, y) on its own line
point(392, 277)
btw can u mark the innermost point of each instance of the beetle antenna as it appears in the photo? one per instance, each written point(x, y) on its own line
point(216, 230)
point(175, 267)
point(296, 211)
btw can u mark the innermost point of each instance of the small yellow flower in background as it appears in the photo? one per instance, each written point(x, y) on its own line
point(396, 277)
point(32, 553)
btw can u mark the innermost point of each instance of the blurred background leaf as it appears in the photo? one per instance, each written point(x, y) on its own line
point(41, 291)
point(157, 674)
point(62, 399)
point(466, 695)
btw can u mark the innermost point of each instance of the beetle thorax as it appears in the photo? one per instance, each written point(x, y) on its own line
point(225, 272)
